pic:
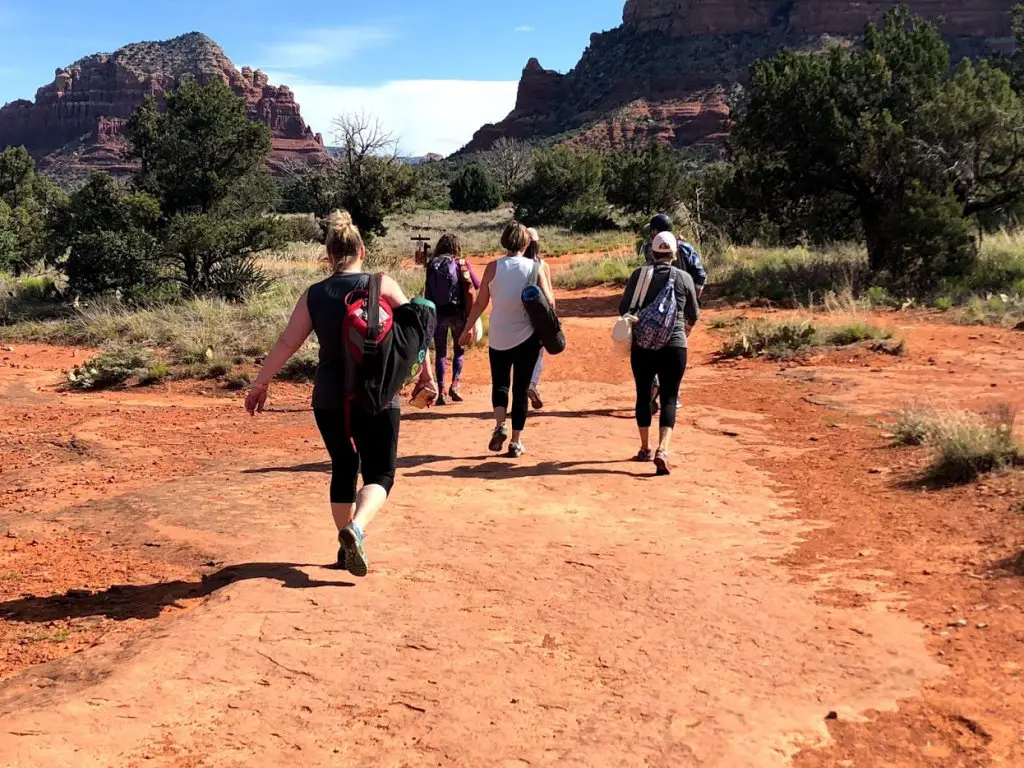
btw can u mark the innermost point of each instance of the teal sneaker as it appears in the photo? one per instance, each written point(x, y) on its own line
point(356, 562)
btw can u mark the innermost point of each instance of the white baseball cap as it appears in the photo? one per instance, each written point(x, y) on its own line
point(665, 242)
point(534, 234)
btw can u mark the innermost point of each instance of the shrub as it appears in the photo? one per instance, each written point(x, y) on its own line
point(27, 200)
point(877, 296)
point(913, 426)
point(775, 340)
point(473, 190)
point(108, 235)
point(112, 367)
point(240, 380)
point(155, 374)
point(853, 333)
point(38, 289)
point(216, 370)
point(967, 445)
point(302, 366)
point(796, 275)
point(645, 181)
point(565, 189)
point(300, 228)
point(943, 303)
point(586, 273)
point(994, 310)
point(214, 255)
point(779, 340)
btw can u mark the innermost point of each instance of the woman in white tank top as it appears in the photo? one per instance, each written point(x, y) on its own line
point(514, 346)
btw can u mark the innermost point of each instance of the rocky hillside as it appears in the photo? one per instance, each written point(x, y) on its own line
point(76, 122)
point(667, 72)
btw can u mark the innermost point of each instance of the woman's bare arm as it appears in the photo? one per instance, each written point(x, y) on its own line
point(545, 283)
point(392, 292)
point(294, 336)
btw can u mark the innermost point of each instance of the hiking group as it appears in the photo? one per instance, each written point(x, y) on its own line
point(374, 340)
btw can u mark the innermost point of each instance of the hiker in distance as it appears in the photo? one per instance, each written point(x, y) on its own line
point(450, 285)
point(363, 442)
point(533, 252)
point(514, 344)
point(687, 259)
point(664, 300)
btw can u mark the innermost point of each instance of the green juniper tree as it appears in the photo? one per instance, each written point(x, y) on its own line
point(892, 133)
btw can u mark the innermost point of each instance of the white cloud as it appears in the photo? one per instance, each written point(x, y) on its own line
point(525, 28)
point(317, 47)
point(426, 115)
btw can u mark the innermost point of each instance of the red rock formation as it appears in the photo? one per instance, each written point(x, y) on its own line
point(983, 18)
point(76, 122)
point(664, 73)
point(698, 17)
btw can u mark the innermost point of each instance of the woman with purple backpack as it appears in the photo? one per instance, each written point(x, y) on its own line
point(663, 299)
point(450, 284)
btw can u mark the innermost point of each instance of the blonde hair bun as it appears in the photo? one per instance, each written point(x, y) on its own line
point(343, 241)
point(339, 220)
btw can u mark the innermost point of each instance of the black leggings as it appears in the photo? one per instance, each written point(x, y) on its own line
point(669, 365)
point(376, 450)
point(514, 367)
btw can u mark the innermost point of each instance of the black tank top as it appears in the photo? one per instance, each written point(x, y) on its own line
point(326, 303)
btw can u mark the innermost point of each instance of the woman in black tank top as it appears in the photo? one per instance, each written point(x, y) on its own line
point(366, 443)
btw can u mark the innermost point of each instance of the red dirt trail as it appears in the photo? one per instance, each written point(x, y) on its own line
point(785, 597)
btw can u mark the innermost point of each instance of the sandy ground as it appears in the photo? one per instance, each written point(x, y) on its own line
point(792, 595)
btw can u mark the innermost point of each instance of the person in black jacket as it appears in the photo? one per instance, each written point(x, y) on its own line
point(668, 363)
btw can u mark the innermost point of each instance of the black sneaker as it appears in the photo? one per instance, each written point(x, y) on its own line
point(441, 400)
point(455, 394)
point(535, 399)
point(498, 439)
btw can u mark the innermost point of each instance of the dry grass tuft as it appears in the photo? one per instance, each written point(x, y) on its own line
point(965, 445)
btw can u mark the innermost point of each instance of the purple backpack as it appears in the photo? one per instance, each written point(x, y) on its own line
point(656, 322)
point(444, 286)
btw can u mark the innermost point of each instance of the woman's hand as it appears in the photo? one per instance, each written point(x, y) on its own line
point(256, 399)
point(466, 339)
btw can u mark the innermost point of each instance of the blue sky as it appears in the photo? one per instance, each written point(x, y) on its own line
point(432, 71)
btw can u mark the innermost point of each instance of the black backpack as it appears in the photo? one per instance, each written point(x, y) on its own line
point(382, 351)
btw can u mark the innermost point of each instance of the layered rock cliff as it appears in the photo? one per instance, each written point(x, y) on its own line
point(667, 72)
point(76, 122)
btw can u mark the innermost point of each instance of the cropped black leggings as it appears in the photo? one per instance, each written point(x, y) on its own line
point(669, 365)
point(376, 450)
point(514, 367)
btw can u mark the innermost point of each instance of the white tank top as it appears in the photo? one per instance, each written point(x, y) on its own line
point(510, 325)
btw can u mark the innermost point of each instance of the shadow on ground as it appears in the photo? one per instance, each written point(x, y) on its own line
point(147, 601)
point(441, 414)
point(498, 470)
point(1012, 565)
point(404, 462)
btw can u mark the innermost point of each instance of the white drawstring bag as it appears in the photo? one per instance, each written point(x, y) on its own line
point(622, 331)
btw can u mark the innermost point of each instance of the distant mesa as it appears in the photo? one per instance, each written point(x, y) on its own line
point(667, 73)
point(76, 123)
